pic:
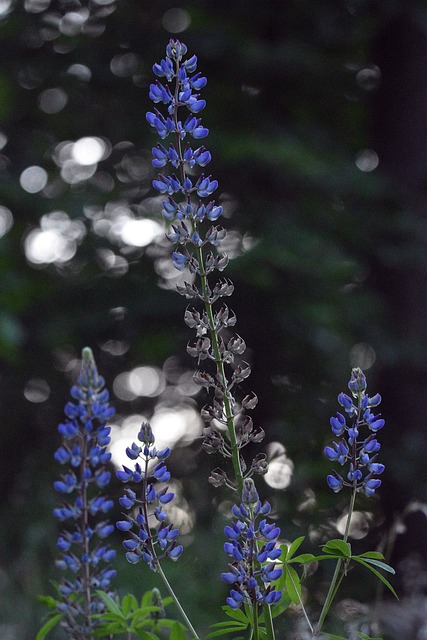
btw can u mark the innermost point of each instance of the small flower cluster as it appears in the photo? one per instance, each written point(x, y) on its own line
point(83, 551)
point(358, 451)
point(152, 539)
point(253, 549)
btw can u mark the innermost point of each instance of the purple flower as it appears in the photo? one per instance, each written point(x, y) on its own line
point(251, 570)
point(85, 438)
point(356, 450)
point(178, 91)
point(151, 538)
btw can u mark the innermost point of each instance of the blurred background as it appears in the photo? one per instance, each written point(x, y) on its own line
point(318, 131)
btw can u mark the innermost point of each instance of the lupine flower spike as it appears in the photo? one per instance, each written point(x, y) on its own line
point(194, 232)
point(84, 554)
point(358, 446)
point(253, 551)
point(149, 537)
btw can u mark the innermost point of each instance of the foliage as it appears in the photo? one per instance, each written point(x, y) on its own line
point(257, 583)
point(336, 243)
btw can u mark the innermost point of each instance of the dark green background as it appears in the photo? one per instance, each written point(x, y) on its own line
point(296, 91)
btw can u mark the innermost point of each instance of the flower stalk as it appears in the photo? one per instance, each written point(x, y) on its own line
point(150, 538)
point(197, 251)
point(85, 439)
point(358, 452)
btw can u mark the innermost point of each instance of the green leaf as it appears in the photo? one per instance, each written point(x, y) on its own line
point(378, 574)
point(372, 554)
point(304, 558)
point(164, 622)
point(227, 623)
point(262, 633)
point(294, 547)
point(177, 631)
point(276, 609)
point(143, 613)
point(146, 635)
point(293, 585)
point(110, 604)
point(146, 599)
point(129, 603)
point(167, 601)
point(107, 629)
point(236, 614)
point(377, 563)
point(224, 631)
point(48, 601)
point(48, 626)
point(338, 547)
point(363, 636)
point(109, 617)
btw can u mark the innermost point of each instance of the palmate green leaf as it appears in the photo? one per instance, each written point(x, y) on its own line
point(236, 614)
point(292, 548)
point(108, 629)
point(48, 626)
point(239, 622)
point(223, 628)
point(140, 623)
point(337, 547)
point(110, 617)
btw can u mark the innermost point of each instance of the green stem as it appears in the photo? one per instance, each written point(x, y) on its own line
point(157, 562)
point(255, 625)
point(209, 311)
point(310, 626)
point(85, 541)
point(268, 618)
point(336, 579)
point(177, 602)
